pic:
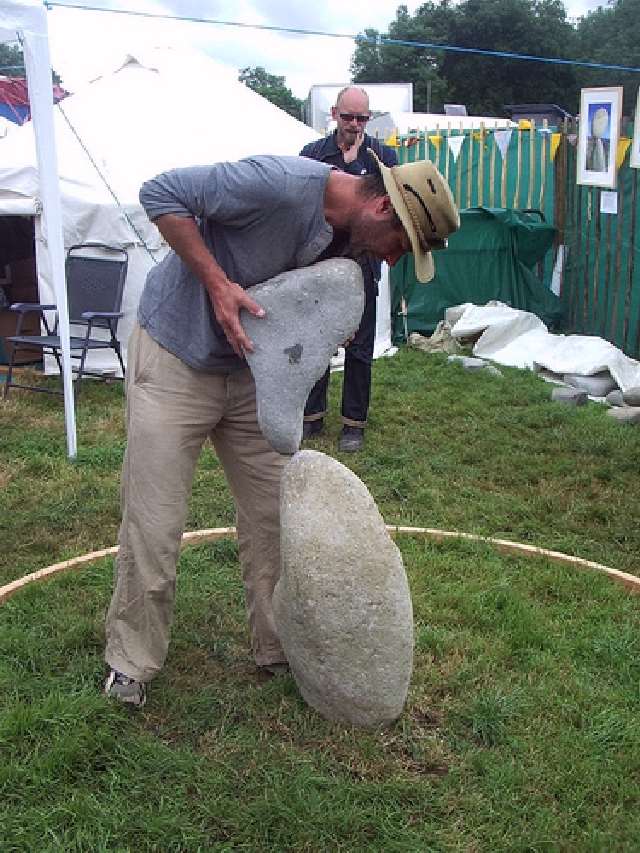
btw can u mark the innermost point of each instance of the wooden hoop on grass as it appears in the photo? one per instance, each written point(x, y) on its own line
point(198, 537)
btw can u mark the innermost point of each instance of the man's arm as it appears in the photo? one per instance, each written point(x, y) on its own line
point(229, 193)
point(227, 298)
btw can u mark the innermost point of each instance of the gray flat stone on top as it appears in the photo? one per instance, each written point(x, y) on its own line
point(310, 312)
point(626, 415)
point(632, 396)
point(569, 396)
point(342, 604)
point(615, 398)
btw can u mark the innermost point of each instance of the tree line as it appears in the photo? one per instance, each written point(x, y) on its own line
point(485, 84)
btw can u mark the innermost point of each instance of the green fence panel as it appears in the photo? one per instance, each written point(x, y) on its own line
point(490, 257)
point(601, 283)
point(600, 291)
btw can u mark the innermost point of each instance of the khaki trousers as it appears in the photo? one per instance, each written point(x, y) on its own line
point(171, 410)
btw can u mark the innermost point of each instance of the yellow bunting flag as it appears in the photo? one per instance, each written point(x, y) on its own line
point(392, 140)
point(555, 141)
point(524, 124)
point(435, 140)
point(623, 143)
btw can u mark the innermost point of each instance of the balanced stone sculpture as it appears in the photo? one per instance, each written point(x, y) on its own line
point(309, 313)
point(342, 604)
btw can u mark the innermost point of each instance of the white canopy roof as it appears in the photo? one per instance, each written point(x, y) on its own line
point(155, 112)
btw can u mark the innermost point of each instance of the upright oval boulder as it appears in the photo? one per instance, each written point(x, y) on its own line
point(342, 604)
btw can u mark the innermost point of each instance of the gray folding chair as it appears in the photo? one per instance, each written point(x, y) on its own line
point(95, 284)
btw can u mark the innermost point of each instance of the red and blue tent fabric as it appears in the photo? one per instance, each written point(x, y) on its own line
point(14, 99)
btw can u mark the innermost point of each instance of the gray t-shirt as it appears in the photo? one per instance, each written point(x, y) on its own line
point(258, 217)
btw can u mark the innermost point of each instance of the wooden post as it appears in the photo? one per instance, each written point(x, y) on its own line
point(632, 251)
point(459, 173)
point(516, 191)
point(481, 167)
point(492, 171)
point(503, 177)
point(445, 140)
point(617, 276)
point(532, 162)
point(545, 140)
point(470, 171)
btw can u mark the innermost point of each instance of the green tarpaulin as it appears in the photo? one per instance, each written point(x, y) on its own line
point(492, 256)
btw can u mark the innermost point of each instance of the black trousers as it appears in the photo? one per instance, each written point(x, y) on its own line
point(356, 389)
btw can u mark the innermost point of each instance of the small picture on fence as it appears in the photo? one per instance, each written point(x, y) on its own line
point(598, 135)
point(634, 158)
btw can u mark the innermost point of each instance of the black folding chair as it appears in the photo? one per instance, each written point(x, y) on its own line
point(95, 284)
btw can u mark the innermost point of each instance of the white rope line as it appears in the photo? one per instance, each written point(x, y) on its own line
point(198, 537)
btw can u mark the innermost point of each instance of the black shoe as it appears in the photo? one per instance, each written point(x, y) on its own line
point(351, 439)
point(312, 428)
point(126, 690)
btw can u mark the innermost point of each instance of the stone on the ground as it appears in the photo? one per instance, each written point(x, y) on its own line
point(569, 396)
point(310, 312)
point(468, 362)
point(493, 370)
point(471, 363)
point(597, 385)
point(632, 396)
point(342, 604)
point(615, 398)
point(626, 414)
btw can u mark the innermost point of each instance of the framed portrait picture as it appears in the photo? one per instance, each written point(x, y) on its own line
point(634, 157)
point(598, 135)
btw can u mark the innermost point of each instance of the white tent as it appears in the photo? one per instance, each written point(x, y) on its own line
point(154, 113)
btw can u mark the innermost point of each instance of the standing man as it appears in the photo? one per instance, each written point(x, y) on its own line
point(230, 226)
point(349, 149)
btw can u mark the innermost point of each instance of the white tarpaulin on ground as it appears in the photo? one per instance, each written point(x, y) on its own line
point(520, 339)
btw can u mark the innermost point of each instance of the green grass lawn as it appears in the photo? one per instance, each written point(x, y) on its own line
point(521, 725)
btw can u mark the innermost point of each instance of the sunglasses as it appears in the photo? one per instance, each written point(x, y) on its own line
point(355, 116)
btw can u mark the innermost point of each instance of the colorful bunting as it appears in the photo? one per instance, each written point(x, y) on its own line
point(623, 143)
point(503, 138)
point(455, 144)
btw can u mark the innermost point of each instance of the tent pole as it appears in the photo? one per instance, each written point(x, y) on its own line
point(38, 66)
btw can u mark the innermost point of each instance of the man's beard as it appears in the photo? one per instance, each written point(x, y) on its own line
point(356, 253)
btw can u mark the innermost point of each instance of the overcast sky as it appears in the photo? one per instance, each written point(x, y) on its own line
point(86, 43)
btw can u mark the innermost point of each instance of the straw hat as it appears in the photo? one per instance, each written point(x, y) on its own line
point(422, 199)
